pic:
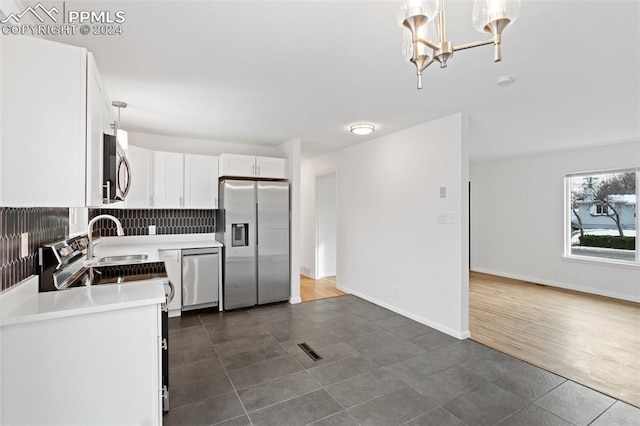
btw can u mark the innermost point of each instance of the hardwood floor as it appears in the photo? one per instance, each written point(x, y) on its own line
point(590, 339)
point(311, 289)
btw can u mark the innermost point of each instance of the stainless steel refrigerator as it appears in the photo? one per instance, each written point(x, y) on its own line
point(253, 223)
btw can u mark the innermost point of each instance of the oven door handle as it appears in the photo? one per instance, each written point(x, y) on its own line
point(172, 292)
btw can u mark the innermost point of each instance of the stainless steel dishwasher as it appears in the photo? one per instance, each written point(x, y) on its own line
point(200, 272)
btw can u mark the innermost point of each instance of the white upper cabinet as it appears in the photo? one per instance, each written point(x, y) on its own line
point(237, 165)
point(268, 167)
point(95, 128)
point(43, 125)
point(200, 181)
point(250, 166)
point(168, 179)
point(101, 118)
point(141, 191)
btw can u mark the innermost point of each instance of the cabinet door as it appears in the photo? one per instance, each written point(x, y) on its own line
point(200, 181)
point(168, 179)
point(173, 265)
point(43, 126)
point(237, 165)
point(95, 130)
point(275, 168)
point(141, 191)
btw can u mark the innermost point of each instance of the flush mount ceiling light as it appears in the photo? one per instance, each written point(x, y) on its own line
point(362, 129)
point(426, 41)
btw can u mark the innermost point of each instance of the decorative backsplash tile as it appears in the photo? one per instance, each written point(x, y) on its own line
point(167, 221)
point(44, 225)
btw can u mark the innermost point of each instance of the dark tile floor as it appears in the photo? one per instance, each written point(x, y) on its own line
point(378, 368)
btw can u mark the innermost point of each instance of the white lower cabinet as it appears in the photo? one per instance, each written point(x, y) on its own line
point(173, 265)
point(101, 368)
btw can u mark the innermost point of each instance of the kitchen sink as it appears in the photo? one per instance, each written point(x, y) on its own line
point(123, 259)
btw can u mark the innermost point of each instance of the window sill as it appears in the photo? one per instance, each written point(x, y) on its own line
point(601, 261)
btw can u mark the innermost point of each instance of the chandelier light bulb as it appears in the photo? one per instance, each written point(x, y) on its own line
point(425, 40)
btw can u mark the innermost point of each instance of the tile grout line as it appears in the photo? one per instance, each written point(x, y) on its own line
point(417, 417)
point(267, 381)
point(601, 414)
point(228, 377)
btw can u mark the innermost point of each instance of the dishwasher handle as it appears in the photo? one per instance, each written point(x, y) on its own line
point(199, 252)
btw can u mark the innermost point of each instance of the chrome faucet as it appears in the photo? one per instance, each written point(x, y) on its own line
point(119, 231)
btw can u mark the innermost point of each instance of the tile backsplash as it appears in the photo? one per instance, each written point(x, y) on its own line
point(167, 221)
point(44, 225)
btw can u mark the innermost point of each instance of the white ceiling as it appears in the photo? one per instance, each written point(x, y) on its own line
point(262, 72)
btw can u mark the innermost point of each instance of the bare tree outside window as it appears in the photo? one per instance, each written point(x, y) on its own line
point(603, 215)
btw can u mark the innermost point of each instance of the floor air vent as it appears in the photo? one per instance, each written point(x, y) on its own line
point(309, 351)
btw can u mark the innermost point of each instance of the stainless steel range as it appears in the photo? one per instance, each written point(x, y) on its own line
point(61, 266)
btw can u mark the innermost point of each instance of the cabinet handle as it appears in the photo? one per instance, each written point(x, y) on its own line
point(258, 170)
point(253, 170)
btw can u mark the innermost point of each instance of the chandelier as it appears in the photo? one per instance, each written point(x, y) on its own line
point(426, 36)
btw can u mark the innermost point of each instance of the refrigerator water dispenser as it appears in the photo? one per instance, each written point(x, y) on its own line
point(239, 234)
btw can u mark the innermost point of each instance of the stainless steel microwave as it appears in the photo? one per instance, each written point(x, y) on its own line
point(116, 171)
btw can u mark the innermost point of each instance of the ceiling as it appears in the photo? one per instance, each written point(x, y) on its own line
point(263, 72)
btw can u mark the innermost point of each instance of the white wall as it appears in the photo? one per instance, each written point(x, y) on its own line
point(517, 225)
point(292, 151)
point(327, 222)
point(391, 250)
point(198, 146)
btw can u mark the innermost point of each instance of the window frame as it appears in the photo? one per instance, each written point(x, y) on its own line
point(568, 214)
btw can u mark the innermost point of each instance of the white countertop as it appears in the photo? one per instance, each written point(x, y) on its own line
point(86, 300)
point(26, 304)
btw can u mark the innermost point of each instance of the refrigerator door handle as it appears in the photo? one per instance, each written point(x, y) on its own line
point(256, 228)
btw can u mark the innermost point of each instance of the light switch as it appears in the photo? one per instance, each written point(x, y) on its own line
point(443, 192)
point(24, 244)
point(451, 218)
point(442, 218)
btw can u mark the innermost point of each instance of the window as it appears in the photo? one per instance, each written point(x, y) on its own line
point(602, 209)
point(601, 216)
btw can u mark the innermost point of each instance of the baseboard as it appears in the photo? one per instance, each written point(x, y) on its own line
point(308, 275)
point(451, 332)
point(295, 300)
point(558, 284)
point(327, 274)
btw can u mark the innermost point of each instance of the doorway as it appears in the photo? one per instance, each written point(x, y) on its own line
point(324, 281)
point(326, 225)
